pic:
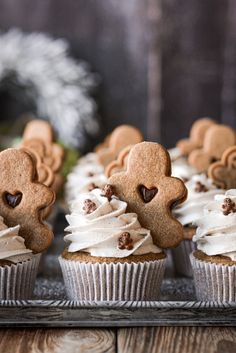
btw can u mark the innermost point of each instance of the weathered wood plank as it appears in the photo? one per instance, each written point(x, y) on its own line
point(177, 340)
point(57, 341)
point(115, 314)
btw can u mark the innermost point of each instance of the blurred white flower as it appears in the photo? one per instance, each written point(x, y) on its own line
point(60, 86)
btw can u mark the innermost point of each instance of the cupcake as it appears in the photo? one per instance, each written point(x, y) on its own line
point(201, 190)
point(214, 261)
point(18, 265)
point(116, 235)
point(110, 255)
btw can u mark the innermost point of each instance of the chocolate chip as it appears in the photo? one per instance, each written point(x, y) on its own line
point(90, 174)
point(125, 241)
point(89, 206)
point(92, 186)
point(184, 179)
point(13, 200)
point(228, 206)
point(108, 191)
point(147, 194)
point(199, 187)
point(213, 160)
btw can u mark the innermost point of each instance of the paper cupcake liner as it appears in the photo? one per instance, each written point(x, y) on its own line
point(17, 280)
point(108, 282)
point(214, 282)
point(181, 259)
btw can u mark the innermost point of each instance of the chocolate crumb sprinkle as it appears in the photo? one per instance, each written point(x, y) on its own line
point(228, 206)
point(108, 191)
point(200, 187)
point(125, 241)
point(89, 206)
point(92, 186)
point(90, 174)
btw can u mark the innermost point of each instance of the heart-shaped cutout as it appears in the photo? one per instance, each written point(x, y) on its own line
point(13, 200)
point(147, 194)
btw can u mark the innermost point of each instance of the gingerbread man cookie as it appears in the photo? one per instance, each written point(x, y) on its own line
point(121, 137)
point(151, 192)
point(40, 129)
point(217, 139)
point(223, 173)
point(196, 137)
point(119, 165)
point(23, 198)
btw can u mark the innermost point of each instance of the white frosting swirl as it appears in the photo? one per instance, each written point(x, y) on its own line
point(12, 246)
point(190, 211)
point(87, 171)
point(181, 169)
point(216, 232)
point(98, 232)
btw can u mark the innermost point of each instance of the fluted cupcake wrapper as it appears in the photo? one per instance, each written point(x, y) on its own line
point(181, 259)
point(113, 281)
point(214, 282)
point(17, 281)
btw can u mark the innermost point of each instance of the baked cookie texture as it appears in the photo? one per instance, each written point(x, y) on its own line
point(151, 192)
point(23, 198)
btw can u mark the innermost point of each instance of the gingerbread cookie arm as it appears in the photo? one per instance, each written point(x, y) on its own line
point(119, 164)
point(44, 174)
point(223, 173)
point(121, 137)
point(150, 191)
point(58, 154)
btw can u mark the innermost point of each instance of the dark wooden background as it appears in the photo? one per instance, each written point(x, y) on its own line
point(163, 63)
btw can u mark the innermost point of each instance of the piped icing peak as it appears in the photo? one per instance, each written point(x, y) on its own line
point(99, 225)
point(12, 246)
point(216, 232)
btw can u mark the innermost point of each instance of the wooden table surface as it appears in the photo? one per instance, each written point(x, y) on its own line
point(124, 340)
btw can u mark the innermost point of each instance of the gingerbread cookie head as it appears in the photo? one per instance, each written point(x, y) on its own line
point(121, 137)
point(217, 139)
point(151, 192)
point(40, 129)
point(23, 198)
point(120, 164)
point(223, 172)
point(196, 138)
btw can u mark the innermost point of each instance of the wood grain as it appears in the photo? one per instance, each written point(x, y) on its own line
point(57, 341)
point(177, 340)
point(115, 314)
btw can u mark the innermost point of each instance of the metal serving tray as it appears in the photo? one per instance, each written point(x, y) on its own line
point(50, 307)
